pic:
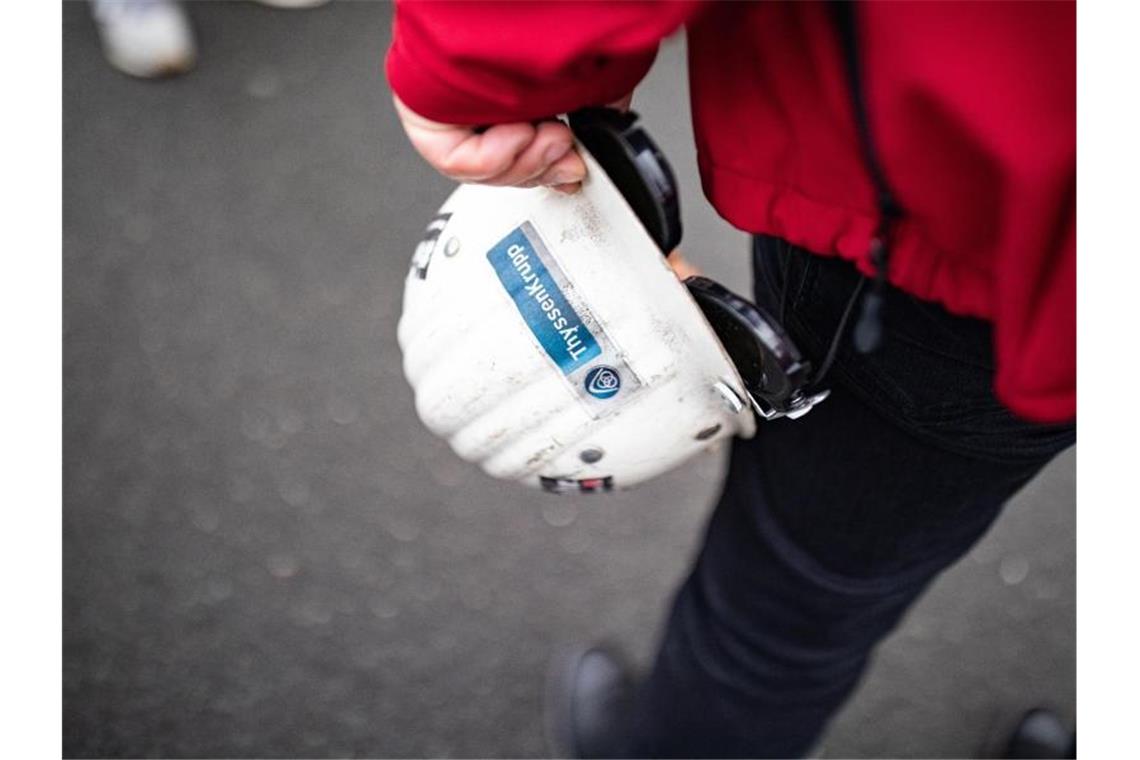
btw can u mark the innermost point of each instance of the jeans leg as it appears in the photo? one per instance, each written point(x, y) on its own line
point(764, 642)
point(827, 530)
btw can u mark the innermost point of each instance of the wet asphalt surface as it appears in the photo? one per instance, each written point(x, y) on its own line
point(264, 552)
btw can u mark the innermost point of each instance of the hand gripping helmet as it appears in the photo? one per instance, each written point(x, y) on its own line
point(547, 339)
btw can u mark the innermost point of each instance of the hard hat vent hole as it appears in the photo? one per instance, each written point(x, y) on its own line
point(708, 432)
point(590, 456)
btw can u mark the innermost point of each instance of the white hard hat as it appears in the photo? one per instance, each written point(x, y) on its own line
point(548, 341)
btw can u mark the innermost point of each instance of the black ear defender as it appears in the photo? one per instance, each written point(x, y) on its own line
point(638, 168)
point(775, 374)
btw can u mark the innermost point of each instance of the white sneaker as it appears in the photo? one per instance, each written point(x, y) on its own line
point(145, 38)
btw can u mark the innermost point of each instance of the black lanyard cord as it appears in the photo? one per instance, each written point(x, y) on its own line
point(869, 329)
point(833, 349)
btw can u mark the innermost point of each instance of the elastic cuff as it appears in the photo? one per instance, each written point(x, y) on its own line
point(596, 82)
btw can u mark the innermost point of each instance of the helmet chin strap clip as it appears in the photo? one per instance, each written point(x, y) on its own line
point(799, 405)
point(776, 376)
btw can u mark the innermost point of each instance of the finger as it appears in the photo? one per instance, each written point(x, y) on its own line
point(568, 189)
point(568, 170)
point(464, 155)
point(552, 141)
point(680, 265)
point(459, 151)
point(483, 156)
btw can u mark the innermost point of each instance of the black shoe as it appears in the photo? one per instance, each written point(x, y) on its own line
point(588, 702)
point(1041, 734)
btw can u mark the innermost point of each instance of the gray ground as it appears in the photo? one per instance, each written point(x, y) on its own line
point(265, 554)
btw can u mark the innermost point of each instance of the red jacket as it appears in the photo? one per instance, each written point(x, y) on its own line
point(972, 109)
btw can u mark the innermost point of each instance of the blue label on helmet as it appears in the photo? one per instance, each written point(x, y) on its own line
point(519, 263)
point(602, 382)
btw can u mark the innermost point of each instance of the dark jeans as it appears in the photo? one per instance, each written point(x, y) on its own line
point(830, 526)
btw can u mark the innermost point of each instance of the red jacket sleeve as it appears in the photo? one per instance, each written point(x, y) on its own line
point(492, 62)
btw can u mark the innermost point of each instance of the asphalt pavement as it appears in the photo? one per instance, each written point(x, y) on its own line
point(265, 554)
